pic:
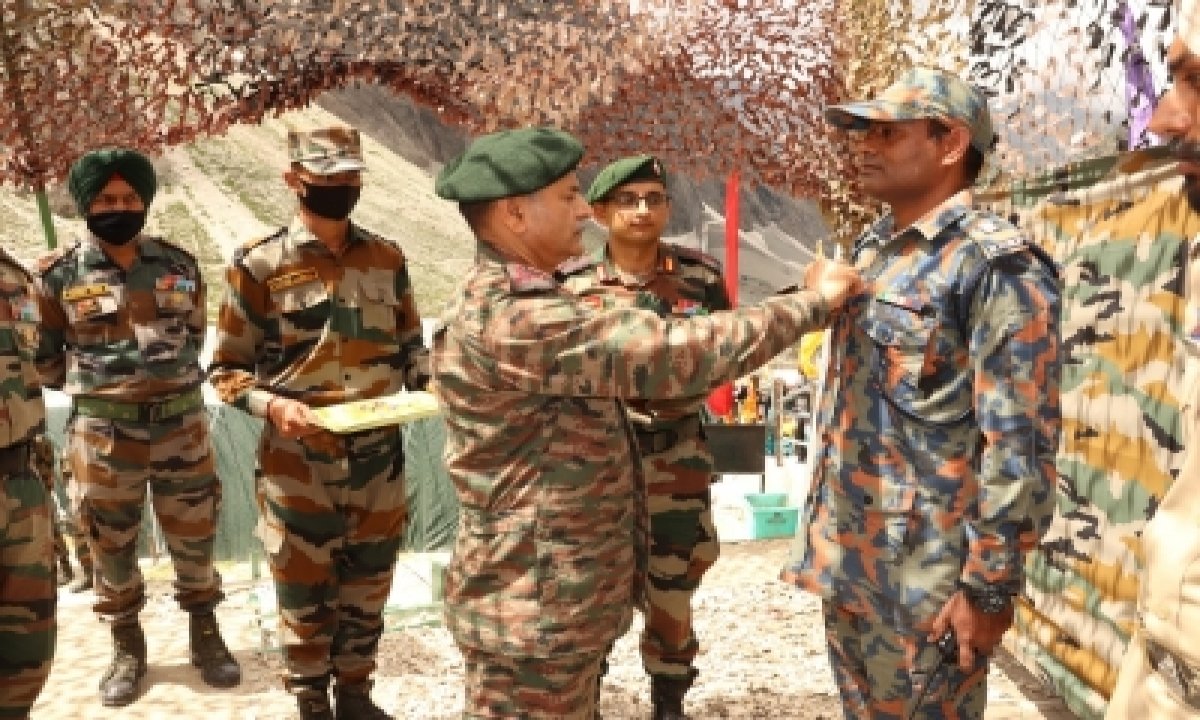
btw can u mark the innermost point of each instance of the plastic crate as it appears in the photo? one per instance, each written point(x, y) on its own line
point(770, 517)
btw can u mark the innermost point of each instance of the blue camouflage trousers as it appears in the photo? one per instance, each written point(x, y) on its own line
point(882, 665)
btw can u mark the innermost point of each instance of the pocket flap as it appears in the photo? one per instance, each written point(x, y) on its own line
point(379, 292)
point(301, 297)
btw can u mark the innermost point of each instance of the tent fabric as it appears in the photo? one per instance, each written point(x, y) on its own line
point(1120, 231)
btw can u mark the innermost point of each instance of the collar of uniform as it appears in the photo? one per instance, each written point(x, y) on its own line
point(298, 234)
point(608, 272)
point(89, 246)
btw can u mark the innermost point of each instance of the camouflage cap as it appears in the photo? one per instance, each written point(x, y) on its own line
point(922, 93)
point(507, 163)
point(326, 151)
point(626, 170)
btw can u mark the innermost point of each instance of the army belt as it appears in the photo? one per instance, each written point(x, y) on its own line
point(148, 412)
point(656, 441)
point(14, 459)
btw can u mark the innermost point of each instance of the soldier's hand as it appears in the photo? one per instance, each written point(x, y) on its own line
point(837, 282)
point(977, 632)
point(293, 418)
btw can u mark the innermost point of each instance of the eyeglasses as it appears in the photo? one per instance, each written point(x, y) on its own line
point(633, 201)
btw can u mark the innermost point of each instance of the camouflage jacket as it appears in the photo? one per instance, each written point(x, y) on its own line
point(940, 419)
point(24, 415)
point(686, 282)
point(300, 322)
point(130, 335)
point(550, 552)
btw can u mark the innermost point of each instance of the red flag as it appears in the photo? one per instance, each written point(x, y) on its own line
point(720, 401)
point(732, 221)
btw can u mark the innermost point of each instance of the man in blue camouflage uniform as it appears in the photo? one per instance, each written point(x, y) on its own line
point(629, 198)
point(940, 420)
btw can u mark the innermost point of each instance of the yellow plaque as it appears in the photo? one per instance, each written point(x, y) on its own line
point(292, 279)
point(380, 412)
point(83, 292)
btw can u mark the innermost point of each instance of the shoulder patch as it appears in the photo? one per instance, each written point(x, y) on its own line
point(526, 279)
point(996, 237)
point(695, 257)
point(574, 266)
point(249, 245)
point(52, 258)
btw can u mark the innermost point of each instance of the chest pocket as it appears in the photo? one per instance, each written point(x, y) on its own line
point(901, 332)
point(303, 312)
point(92, 311)
point(378, 308)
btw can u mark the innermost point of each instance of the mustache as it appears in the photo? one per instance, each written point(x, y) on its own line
point(1184, 149)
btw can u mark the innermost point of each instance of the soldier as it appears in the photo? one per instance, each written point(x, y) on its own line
point(940, 418)
point(1159, 678)
point(317, 314)
point(629, 198)
point(550, 552)
point(28, 598)
point(122, 325)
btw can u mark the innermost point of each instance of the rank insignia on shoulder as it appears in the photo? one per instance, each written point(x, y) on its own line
point(292, 279)
point(84, 292)
point(524, 278)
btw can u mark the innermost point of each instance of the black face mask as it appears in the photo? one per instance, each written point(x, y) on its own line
point(117, 228)
point(332, 202)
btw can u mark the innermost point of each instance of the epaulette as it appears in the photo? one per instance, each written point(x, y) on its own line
point(526, 279)
point(994, 236)
point(54, 257)
point(249, 245)
point(696, 257)
point(574, 266)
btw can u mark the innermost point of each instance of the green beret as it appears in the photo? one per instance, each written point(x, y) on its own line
point(626, 170)
point(507, 163)
point(91, 173)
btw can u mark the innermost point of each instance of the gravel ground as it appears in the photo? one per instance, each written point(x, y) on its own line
point(762, 657)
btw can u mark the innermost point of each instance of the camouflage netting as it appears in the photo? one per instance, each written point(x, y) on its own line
point(716, 85)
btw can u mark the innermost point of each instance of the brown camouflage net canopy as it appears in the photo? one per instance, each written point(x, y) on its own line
point(711, 85)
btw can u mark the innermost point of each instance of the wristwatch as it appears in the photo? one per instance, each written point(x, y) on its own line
point(989, 599)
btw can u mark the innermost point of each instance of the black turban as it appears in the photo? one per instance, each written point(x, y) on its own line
point(92, 172)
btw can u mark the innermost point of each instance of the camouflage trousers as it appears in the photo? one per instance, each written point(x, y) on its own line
point(28, 596)
point(332, 512)
point(683, 546)
point(113, 463)
point(502, 686)
point(882, 664)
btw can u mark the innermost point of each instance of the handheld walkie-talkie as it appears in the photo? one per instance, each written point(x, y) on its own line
point(947, 647)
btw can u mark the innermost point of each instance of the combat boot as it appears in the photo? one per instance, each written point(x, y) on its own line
point(313, 704)
point(353, 702)
point(666, 694)
point(122, 680)
point(217, 666)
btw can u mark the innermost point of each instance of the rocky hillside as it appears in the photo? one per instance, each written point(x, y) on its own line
point(221, 192)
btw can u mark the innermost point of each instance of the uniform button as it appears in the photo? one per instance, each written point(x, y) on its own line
point(826, 436)
point(867, 500)
point(347, 376)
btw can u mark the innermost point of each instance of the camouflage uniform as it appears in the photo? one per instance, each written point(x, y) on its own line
point(941, 422)
point(302, 323)
point(27, 592)
point(124, 344)
point(675, 459)
point(550, 552)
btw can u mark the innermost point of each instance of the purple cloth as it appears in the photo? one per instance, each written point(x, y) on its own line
point(1139, 83)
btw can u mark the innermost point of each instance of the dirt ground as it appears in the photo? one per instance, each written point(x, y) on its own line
point(763, 657)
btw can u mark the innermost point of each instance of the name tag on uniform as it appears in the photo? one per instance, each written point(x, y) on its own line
point(292, 279)
point(84, 292)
